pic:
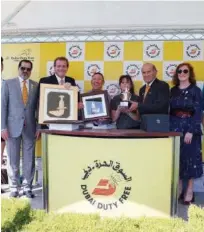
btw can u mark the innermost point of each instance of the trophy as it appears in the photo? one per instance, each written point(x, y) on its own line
point(125, 98)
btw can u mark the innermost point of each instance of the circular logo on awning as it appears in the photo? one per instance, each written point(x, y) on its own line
point(113, 51)
point(133, 70)
point(113, 90)
point(153, 51)
point(92, 69)
point(170, 70)
point(75, 51)
point(193, 50)
point(106, 185)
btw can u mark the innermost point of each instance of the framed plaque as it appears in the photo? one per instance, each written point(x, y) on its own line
point(58, 104)
point(96, 105)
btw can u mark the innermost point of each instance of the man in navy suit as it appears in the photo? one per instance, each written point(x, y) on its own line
point(61, 66)
point(154, 95)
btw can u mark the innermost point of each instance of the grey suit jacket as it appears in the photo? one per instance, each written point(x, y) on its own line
point(14, 114)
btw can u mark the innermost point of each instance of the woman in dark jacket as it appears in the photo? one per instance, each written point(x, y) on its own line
point(121, 115)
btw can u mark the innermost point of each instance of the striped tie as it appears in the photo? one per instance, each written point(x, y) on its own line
point(146, 91)
point(25, 93)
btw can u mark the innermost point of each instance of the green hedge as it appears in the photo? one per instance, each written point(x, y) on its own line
point(64, 223)
point(14, 214)
point(72, 223)
point(196, 219)
point(17, 216)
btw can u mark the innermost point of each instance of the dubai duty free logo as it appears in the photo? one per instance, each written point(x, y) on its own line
point(193, 51)
point(105, 185)
point(133, 70)
point(113, 51)
point(25, 54)
point(153, 51)
point(75, 51)
point(170, 70)
point(92, 69)
point(113, 90)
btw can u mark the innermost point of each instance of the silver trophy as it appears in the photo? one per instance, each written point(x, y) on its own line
point(125, 98)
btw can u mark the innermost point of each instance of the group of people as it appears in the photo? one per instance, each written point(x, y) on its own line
point(183, 103)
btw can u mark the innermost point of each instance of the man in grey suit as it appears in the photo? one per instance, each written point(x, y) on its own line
point(18, 122)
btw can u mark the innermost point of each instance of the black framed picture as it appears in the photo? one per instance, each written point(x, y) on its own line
point(58, 103)
point(96, 105)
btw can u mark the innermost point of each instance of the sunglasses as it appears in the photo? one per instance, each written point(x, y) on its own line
point(182, 71)
point(25, 69)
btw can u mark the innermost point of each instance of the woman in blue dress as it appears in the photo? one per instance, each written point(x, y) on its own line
point(185, 117)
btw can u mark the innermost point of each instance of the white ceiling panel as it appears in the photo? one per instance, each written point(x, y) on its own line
point(38, 15)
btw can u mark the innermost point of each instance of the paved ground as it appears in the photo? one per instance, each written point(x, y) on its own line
point(37, 202)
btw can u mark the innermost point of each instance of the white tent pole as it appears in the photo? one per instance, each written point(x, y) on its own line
point(14, 13)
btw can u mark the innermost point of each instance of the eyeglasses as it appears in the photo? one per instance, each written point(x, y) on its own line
point(182, 71)
point(25, 69)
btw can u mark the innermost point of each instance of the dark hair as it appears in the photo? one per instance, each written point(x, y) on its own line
point(98, 73)
point(129, 79)
point(192, 79)
point(25, 61)
point(62, 58)
point(2, 60)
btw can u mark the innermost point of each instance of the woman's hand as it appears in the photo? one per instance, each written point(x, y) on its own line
point(122, 109)
point(116, 113)
point(188, 138)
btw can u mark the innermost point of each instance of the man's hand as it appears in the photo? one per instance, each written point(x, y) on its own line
point(133, 106)
point(188, 138)
point(4, 134)
point(80, 105)
point(37, 134)
point(67, 85)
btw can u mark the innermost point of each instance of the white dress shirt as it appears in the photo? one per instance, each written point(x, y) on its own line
point(150, 82)
point(21, 80)
point(59, 79)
